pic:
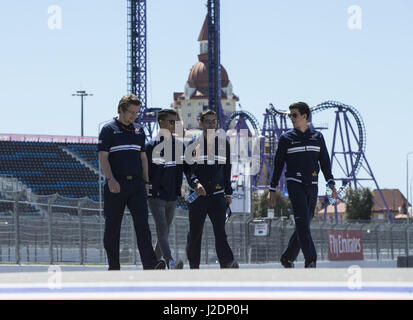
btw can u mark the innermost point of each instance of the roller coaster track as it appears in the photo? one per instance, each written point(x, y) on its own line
point(361, 133)
point(273, 140)
point(242, 113)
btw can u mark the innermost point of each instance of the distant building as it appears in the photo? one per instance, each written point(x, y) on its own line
point(190, 103)
point(341, 210)
point(395, 200)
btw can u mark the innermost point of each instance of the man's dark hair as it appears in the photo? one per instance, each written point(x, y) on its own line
point(163, 114)
point(206, 112)
point(127, 100)
point(302, 107)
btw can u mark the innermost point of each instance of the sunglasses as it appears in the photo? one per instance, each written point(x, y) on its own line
point(293, 115)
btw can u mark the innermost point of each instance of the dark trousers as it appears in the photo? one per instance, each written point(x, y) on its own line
point(132, 194)
point(303, 200)
point(214, 206)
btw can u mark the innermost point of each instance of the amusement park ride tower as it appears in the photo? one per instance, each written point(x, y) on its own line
point(137, 62)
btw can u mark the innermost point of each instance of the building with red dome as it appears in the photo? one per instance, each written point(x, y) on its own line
point(190, 103)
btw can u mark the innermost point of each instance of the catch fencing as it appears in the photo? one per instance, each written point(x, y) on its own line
point(56, 230)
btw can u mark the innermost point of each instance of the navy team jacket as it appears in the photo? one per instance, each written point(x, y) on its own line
point(214, 175)
point(304, 153)
point(165, 175)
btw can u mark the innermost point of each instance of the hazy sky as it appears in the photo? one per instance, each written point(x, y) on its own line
point(274, 51)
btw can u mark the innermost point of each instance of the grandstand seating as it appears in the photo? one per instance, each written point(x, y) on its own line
point(87, 152)
point(47, 169)
point(6, 208)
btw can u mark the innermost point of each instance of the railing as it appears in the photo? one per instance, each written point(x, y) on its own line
point(56, 230)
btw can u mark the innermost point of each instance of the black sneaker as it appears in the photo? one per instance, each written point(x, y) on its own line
point(179, 264)
point(113, 269)
point(232, 265)
point(160, 265)
point(172, 264)
point(287, 263)
point(312, 264)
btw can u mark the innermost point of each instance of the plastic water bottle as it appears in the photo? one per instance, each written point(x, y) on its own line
point(228, 214)
point(329, 193)
point(192, 197)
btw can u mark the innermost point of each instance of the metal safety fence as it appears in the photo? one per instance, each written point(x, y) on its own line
point(56, 230)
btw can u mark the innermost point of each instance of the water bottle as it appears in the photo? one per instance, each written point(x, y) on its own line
point(329, 193)
point(228, 214)
point(192, 197)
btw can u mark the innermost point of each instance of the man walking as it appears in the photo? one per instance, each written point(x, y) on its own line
point(303, 150)
point(165, 174)
point(210, 178)
point(123, 161)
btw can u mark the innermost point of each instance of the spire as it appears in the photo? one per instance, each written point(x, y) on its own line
point(203, 35)
point(203, 41)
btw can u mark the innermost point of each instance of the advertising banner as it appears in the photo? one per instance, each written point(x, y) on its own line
point(345, 245)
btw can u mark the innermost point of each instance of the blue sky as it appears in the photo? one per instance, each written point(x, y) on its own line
point(274, 51)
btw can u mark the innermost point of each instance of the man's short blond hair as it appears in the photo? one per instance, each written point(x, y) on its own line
point(127, 100)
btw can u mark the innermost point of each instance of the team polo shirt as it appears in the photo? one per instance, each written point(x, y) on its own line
point(124, 144)
point(303, 153)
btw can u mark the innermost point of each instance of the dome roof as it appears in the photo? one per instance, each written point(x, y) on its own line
point(198, 77)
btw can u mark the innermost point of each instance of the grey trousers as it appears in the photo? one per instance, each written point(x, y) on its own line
point(163, 213)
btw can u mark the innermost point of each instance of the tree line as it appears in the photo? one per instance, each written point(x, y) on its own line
point(359, 203)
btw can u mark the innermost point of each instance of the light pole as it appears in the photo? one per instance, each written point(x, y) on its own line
point(81, 94)
point(100, 172)
point(407, 181)
point(411, 181)
point(100, 196)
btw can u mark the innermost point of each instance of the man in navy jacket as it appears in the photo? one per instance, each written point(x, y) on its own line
point(165, 175)
point(304, 151)
point(210, 177)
